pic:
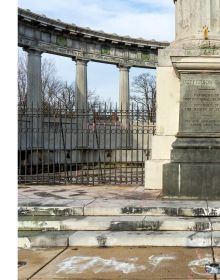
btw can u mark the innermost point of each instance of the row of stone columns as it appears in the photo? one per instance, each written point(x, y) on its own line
point(34, 95)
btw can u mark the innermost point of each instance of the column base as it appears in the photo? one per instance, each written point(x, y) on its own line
point(192, 180)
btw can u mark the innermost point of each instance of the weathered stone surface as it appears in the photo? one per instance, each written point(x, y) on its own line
point(114, 263)
point(117, 223)
point(34, 260)
point(54, 207)
point(34, 96)
point(112, 207)
point(196, 155)
point(151, 238)
point(195, 58)
point(195, 180)
point(82, 223)
point(61, 38)
point(119, 238)
point(81, 85)
point(194, 170)
point(147, 207)
point(199, 105)
point(124, 91)
point(192, 16)
point(29, 239)
point(129, 263)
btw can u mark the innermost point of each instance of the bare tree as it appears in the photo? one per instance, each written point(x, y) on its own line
point(53, 88)
point(22, 78)
point(144, 92)
point(62, 96)
point(50, 83)
point(56, 93)
point(97, 102)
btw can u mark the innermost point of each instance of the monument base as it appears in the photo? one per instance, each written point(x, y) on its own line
point(200, 180)
point(194, 171)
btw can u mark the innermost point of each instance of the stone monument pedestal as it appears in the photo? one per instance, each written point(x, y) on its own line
point(188, 106)
point(194, 170)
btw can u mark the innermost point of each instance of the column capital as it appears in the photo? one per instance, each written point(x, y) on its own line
point(33, 50)
point(81, 61)
point(124, 67)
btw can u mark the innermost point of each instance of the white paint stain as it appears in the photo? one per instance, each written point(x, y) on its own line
point(198, 266)
point(156, 260)
point(133, 259)
point(79, 264)
point(179, 177)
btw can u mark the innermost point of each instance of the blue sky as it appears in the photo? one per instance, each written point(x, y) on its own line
point(150, 19)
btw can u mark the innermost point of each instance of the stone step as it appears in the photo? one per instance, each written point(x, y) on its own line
point(29, 239)
point(102, 207)
point(117, 223)
point(112, 239)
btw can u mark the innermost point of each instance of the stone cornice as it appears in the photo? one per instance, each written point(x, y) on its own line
point(42, 20)
point(190, 64)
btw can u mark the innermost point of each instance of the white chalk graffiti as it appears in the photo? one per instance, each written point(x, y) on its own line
point(79, 264)
point(96, 264)
point(156, 260)
point(198, 266)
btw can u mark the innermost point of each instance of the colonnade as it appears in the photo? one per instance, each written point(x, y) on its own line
point(34, 96)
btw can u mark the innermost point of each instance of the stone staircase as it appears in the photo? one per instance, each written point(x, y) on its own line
point(107, 223)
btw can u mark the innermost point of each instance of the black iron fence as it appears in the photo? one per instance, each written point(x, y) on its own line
point(97, 146)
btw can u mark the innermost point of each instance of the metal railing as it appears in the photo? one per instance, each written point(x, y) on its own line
point(98, 146)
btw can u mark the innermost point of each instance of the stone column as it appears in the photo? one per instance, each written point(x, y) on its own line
point(34, 103)
point(124, 88)
point(193, 15)
point(81, 85)
point(34, 94)
point(124, 107)
point(81, 108)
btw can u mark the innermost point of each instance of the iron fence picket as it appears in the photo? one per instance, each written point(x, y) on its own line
point(48, 144)
point(103, 146)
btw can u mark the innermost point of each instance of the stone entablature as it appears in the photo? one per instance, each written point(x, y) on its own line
point(56, 37)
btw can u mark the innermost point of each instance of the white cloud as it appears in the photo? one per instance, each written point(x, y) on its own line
point(123, 18)
point(148, 26)
point(160, 3)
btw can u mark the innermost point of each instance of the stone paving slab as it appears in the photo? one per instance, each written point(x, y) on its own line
point(54, 202)
point(147, 207)
point(214, 208)
point(81, 223)
point(128, 263)
point(106, 207)
point(28, 239)
point(88, 192)
point(34, 259)
point(144, 238)
point(118, 223)
point(167, 223)
point(44, 207)
point(109, 200)
point(215, 223)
